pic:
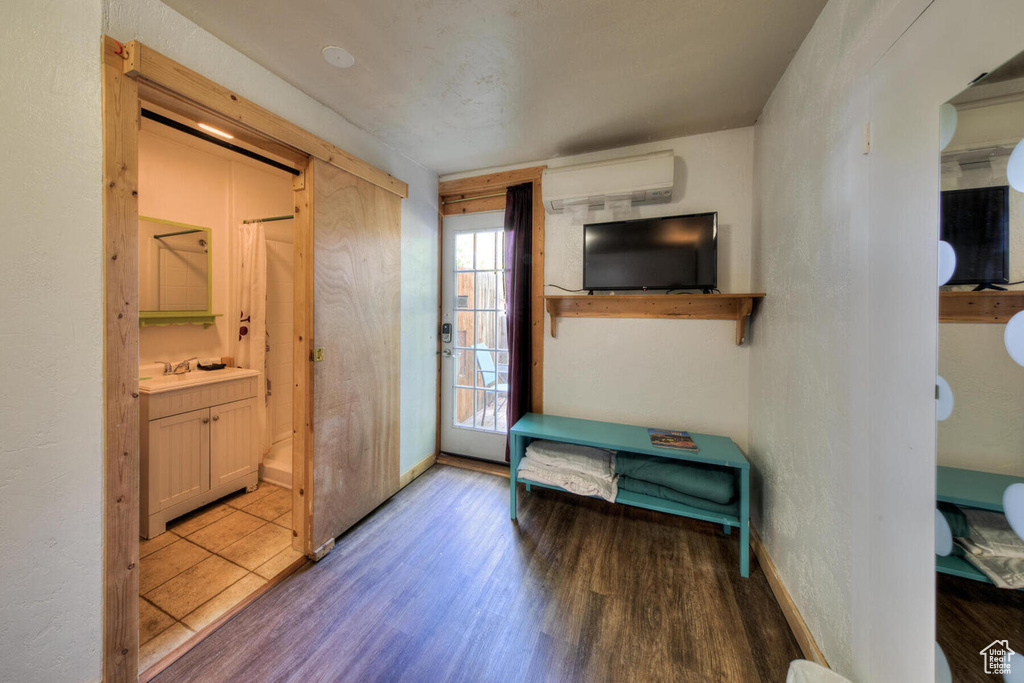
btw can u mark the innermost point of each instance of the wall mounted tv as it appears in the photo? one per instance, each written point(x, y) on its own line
point(673, 252)
point(976, 223)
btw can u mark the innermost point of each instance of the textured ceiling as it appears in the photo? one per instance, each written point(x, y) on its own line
point(465, 84)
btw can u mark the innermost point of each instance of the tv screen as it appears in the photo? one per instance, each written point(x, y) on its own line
point(976, 224)
point(674, 252)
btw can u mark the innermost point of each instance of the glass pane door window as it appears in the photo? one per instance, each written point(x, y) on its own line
point(480, 336)
point(474, 348)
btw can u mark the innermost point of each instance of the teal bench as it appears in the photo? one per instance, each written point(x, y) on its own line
point(714, 450)
point(973, 489)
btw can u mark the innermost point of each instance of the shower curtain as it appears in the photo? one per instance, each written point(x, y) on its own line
point(252, 346)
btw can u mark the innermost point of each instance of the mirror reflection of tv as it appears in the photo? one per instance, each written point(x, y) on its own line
point(671, 252)
point(976, 223)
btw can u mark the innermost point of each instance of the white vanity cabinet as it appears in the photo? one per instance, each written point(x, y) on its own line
point(198, 442)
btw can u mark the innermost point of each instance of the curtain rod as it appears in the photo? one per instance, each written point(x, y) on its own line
point(268, 220)
point(174, 234)
point(188, 130)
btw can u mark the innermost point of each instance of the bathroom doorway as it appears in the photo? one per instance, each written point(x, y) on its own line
point(216, 297)
point(357, 206)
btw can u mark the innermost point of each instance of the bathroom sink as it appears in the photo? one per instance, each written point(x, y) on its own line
point(159, 383)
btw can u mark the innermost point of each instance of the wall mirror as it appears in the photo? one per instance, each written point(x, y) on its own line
point(175, 273)
point(979, 556)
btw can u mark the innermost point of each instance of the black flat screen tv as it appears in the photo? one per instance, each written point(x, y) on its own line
point(976, 223)
point(673, 252)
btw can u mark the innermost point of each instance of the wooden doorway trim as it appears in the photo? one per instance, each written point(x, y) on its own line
point(128, 70)
point(487, 193)
point(120, 369)
point(147, 65)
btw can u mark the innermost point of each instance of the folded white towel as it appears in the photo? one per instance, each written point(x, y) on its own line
point(595, 462)
point(581, 483)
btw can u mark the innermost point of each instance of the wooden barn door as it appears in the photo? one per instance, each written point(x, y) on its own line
point(356, 322)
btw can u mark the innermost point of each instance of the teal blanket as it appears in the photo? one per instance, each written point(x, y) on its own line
point(696, 480)
point(665, 493)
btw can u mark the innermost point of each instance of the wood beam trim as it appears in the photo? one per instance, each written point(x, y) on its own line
point(474, 206)
point(537, 301)
point(489, 182)
point(302, 363)
point(146, 64)
point(120, 369)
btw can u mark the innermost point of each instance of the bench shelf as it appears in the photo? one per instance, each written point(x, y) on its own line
point(969, 488)
point(714, 450)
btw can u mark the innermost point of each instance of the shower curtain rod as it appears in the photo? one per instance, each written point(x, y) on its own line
point(175, 234)
point(268, 220)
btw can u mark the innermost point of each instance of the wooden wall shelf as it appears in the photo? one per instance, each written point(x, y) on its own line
point(979, 307)
point(736, 307)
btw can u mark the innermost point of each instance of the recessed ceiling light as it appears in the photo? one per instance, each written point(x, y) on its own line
point(216, 131)
point(338, 56)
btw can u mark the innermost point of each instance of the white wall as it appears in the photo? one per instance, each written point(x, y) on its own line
point(842, 383)
point(51, 478)
point(686, 374)
point(166, 31)
point(50, 349)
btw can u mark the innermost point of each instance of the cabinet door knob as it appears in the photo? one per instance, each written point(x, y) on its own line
point(216, 417)
point(206, 420)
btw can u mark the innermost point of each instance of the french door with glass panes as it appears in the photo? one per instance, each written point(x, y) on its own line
point(474, 364)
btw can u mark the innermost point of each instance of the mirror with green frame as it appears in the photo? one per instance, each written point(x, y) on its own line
point(175, 273)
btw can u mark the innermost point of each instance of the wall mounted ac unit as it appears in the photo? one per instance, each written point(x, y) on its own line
point(644, 179)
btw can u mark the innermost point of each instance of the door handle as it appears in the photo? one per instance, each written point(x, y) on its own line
point(206, 420)
point(216, 417)
point(447, 353)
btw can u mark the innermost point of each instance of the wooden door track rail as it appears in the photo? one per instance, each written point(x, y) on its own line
point(736, 307)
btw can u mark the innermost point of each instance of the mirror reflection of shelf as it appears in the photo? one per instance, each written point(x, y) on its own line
point(735, 307)
point(979, 307)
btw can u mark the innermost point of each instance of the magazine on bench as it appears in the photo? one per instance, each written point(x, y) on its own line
point(668, 438)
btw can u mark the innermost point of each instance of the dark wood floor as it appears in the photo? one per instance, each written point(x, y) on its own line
point(969, 616)
point(439, 585)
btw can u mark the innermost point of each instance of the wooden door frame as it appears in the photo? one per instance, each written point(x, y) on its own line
point(128, 69)
point(487, 193)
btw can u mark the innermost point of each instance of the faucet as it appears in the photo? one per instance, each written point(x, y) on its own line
point(184, 364)
point(167, 367)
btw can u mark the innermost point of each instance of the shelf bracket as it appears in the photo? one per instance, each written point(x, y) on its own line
point(552, 312)
point(746, 307)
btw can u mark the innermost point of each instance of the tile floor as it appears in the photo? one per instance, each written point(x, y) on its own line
point(207, 562)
